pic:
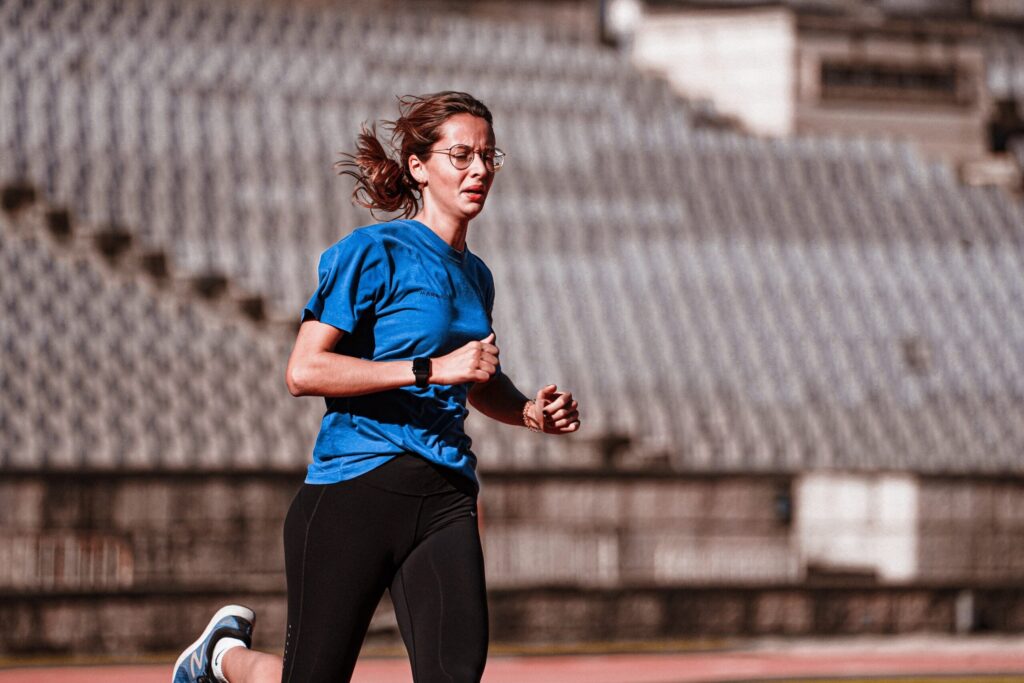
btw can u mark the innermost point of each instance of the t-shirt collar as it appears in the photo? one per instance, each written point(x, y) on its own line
point(435, 243)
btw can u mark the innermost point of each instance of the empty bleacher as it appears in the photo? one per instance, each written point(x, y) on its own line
point(721, 302)
point(108, 372)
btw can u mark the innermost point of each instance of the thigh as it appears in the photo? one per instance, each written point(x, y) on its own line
point(440, 601)
point(339, 559)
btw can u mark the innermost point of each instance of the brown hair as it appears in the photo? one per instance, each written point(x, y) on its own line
point(384, 183)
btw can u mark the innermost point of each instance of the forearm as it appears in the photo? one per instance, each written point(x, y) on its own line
point(499, 399)
point(337, 375)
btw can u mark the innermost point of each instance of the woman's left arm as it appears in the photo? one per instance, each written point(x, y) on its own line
point(551, 411)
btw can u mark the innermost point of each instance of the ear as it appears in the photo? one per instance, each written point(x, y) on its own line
point(418, 170)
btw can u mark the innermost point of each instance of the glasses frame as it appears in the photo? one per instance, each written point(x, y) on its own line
point(496, 164)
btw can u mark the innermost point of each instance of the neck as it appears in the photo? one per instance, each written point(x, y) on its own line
point(449, 229)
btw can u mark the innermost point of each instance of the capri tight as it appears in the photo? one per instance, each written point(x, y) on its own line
point(408, 526)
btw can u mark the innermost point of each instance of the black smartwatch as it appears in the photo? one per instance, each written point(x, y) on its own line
point(421, 368)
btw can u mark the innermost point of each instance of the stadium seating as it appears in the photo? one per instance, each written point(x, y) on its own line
point(109, 372)
point(719, 301)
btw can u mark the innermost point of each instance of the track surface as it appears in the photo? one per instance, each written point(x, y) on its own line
point(931, 660)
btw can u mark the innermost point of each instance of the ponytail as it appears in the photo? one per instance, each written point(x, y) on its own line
point(381, 182)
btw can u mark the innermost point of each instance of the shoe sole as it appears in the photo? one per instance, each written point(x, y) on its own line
point(228, 611)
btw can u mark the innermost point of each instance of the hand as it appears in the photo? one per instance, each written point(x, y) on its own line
point(477, 361)
point(555, 412)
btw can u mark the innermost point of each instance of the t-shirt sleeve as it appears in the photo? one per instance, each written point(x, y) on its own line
point(350, 281)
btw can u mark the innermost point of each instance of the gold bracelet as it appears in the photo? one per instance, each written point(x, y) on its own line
point(528, 421)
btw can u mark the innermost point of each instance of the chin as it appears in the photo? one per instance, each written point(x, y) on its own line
point(473, 210)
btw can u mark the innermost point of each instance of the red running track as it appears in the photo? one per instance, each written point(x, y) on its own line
point(642, 668)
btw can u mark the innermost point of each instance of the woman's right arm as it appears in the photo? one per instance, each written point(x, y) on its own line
point(314, 369)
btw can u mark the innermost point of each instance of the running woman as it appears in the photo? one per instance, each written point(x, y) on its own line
point(396, 337)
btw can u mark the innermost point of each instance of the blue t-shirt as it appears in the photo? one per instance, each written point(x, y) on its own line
point(398, 291)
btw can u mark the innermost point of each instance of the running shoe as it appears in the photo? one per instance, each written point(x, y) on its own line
point(232, 621)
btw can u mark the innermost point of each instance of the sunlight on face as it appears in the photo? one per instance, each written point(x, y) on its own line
point(459, 194)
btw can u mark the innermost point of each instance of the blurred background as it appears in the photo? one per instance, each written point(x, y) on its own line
point(776, 249)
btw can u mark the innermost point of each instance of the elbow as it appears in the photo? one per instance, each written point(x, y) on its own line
point(477, 395)
point(296, 378)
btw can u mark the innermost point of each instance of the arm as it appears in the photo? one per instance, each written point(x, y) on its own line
point(314, 369)
point(499, 400)
point(550, 412)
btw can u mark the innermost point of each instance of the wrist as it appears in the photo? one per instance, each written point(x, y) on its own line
point(421, 370)
point(529, 421)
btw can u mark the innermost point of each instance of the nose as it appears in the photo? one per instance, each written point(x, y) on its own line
point(477, 167)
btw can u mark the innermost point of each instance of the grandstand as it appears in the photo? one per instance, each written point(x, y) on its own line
point(109, 372)
point(736, 311)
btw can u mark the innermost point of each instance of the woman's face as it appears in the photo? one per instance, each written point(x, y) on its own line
point(459, 194)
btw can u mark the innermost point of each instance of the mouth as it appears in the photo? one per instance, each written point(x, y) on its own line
point(475, 193)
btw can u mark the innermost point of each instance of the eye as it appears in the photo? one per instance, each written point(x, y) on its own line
point(461, 153)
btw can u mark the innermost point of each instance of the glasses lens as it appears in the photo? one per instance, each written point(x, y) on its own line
point(498, 158)
point(461, 156)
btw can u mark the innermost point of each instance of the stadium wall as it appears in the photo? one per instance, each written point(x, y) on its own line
point(103, 563)
point(742, 60)
point(922, 82)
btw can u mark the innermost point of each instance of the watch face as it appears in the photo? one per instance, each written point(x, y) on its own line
point(421, 369)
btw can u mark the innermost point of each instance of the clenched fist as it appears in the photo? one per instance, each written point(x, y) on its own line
point(477, 361)
point(554, 412)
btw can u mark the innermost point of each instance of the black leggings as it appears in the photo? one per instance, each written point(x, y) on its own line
point(409, 526)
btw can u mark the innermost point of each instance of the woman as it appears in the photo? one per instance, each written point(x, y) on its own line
point(396, 337)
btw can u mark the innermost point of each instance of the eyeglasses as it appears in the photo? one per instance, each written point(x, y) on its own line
point(462, 156)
